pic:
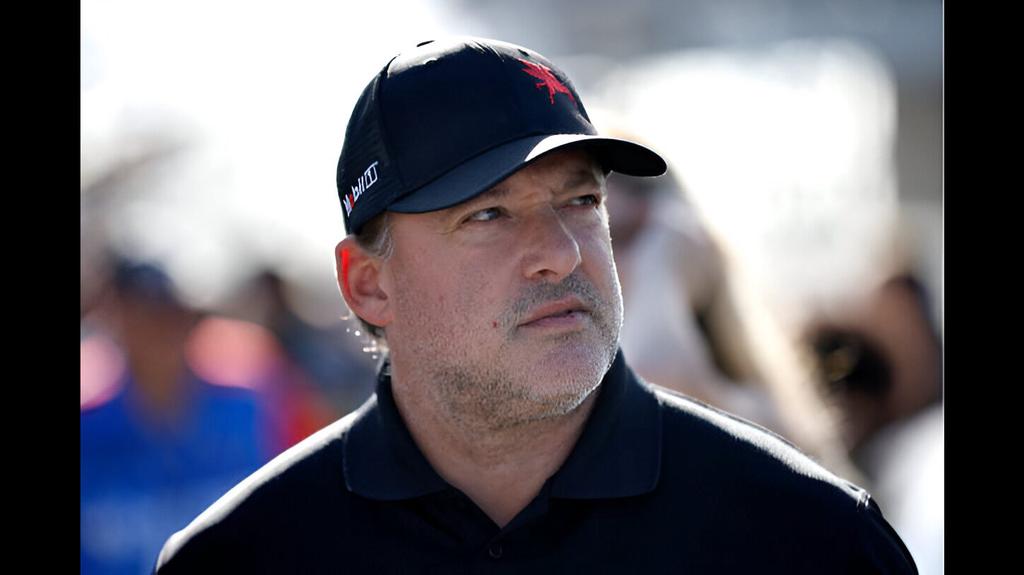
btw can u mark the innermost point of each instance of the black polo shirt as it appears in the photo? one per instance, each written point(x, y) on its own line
point(657, 483)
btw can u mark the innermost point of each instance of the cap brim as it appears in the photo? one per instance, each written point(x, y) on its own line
point(488, 169)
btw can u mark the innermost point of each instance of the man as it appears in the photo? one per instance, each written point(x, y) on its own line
point(507, 432)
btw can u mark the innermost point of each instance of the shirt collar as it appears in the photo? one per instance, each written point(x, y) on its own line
point(617, 455)
point(381, 459)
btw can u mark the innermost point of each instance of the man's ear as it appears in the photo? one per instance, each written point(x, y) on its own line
point(359, 275)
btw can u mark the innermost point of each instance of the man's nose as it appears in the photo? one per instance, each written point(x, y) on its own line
point(551, 249)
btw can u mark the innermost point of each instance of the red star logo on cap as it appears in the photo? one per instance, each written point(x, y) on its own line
point(547, 78)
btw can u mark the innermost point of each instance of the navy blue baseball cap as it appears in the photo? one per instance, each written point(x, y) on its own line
point(451, 118)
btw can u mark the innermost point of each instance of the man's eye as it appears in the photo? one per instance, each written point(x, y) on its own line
point(484, 215)
point(587, 200)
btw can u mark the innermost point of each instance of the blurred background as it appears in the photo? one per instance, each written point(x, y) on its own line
point(787, 269)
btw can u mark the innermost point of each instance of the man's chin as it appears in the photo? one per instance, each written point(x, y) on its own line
point(569, 368)
point(572, 353)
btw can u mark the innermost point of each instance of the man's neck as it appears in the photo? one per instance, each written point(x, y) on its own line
point(500, 468)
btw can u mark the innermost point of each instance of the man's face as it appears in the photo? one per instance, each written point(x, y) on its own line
point(507, 306)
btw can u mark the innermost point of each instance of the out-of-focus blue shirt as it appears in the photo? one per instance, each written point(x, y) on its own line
point(140, 484)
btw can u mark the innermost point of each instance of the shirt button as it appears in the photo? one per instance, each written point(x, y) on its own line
point(494, 550)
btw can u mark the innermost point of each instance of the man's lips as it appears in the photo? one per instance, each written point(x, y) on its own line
point(556, 309)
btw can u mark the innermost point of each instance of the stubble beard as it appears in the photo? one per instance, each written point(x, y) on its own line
point(497, 394)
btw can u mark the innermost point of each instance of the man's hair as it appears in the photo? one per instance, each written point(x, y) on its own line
point(375, 239)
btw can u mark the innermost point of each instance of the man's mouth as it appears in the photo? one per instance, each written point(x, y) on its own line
point(564, 312)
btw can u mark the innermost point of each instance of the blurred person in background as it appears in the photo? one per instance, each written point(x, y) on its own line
point(669, 270)
point(332, 370)
point(177, 403)
point(690, 326)
point(507, 430)
point(881, 365)
point(158, 442)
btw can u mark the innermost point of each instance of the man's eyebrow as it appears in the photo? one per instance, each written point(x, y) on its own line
point(581, 177)
point(496, 192)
